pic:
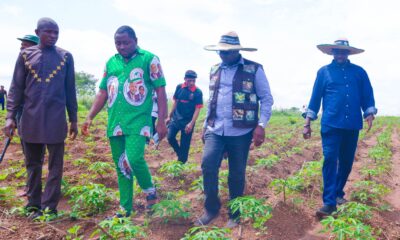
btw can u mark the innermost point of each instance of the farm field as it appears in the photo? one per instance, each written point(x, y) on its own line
point(283, 189)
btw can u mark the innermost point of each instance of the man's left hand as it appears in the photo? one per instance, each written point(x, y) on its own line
point(161, 129)
point(189, 128)
point(73, 130)
point(369, 120)
point(258, 136)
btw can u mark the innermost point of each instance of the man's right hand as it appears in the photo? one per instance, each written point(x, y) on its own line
point(307, 132)
point(9, 128)
point(85, 127)
point(203, 132)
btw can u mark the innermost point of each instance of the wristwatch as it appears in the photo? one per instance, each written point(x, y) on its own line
point(261, 124)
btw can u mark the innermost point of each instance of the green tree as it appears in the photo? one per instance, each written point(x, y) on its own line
point(85, 84)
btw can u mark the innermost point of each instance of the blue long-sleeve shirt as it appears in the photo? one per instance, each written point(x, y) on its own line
point(345, 90)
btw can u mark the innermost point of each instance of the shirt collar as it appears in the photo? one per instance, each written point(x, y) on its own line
point(334, 63)
point(138, 51)
point(241, 61)
point(192, 89)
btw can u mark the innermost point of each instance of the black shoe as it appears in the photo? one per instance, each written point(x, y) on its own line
point(31, 209)
point(36, 215)
point(325, 211)
point(205, 219)
point(151, 200)
point(340, 200)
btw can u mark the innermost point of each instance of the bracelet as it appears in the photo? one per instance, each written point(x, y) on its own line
point(306, 125)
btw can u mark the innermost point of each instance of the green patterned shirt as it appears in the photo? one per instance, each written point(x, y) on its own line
point(129, 87)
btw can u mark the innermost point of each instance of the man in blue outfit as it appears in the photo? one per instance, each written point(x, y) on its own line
point(238, 111)
point(345, 90)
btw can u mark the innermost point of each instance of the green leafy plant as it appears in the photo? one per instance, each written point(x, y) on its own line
point(198, 184)
point(101, 168)
point(171, 210)
point(268, 162)
point(365, 191)
point(355, 210)
point(119, 228)
point(287, 186)
point(89, 199)
point(207, 233)
point(48, 216)
point(252, 209)
point(7, 196)
point(174, 168)
point(73, 233)
point(347, 228)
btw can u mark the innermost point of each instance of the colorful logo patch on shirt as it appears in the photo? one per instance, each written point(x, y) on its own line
point(247, 86)
point(249, 68)
point(145, 131)
point(155, 69)
point(250, 115)
point(136, 74)
point(135, 92)
point(124, 166)
point(253, 98)
point(118, 131)
point(239, 97)
point(112, 90)
point(238, 114)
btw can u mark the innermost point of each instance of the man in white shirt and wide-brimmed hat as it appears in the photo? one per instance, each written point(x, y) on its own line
point(239, 109)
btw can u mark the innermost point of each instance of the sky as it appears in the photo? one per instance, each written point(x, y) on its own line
point(285, 32)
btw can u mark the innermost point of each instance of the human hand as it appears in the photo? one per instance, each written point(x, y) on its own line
point(85, 127)
point(258, 136)
point(307, 131)
point(9, 128)
point(189, 128)
point(73, 130)
point(203, 132)
point(161, 129)
point(369, 120)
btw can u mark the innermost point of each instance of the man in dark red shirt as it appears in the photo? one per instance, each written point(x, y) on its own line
point(188, 100)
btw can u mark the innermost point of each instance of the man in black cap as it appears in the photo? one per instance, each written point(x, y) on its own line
point(188, 100)
point(26, 41)
point(44, 81)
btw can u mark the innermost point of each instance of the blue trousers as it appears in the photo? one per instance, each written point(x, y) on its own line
point(238, 151)
point(339, 147)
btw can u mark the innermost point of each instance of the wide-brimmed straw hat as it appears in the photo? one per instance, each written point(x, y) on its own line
point(229, 42)
point(342, 44)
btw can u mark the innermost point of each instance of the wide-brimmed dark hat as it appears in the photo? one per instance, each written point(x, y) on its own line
point(342, 44)
point(30, 38)
point(229, 42)
point(190, 74)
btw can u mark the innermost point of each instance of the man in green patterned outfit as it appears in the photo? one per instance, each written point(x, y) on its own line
point(130, 77)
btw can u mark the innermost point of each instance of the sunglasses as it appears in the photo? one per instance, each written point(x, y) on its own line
point(226, 52)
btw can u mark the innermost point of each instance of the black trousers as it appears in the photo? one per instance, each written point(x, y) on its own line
point(182, 150)
point(34, 155)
